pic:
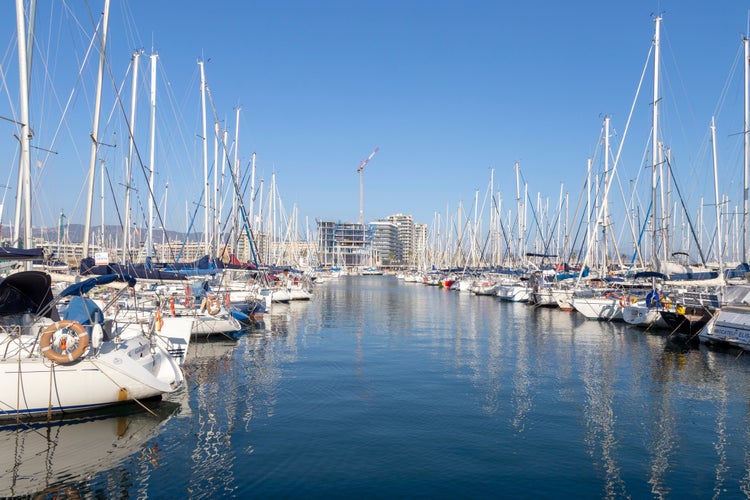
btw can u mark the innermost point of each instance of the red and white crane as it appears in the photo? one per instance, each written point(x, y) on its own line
point(361, 168)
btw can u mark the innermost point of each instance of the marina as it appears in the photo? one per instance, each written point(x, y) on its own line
point(379, 387)
point(171, 326)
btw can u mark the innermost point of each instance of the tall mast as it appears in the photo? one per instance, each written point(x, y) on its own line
point(588, 208)
point(475, 229)
point(101, 186)
point(95, 130)
point(655, 143)
point(235, 175)
point(206, 192)
point(719, 247)
point(520, 223)
point(605, 201)
point(746, 132)
point(164, 211)
point(24, 174)
point(215, 200)
point(224, 163)
point(252, 190)
point(129, 160)
point(151, 159)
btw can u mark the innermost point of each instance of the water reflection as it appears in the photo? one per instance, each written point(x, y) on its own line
point(57, 458)
point(379, 388)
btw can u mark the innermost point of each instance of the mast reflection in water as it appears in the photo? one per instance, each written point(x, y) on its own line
point(382, 388)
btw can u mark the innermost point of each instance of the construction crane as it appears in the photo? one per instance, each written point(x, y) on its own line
point(361, 168)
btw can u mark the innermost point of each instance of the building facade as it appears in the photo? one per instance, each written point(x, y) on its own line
point(386, 246)
point(343, 244)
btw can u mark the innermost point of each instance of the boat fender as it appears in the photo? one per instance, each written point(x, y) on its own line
point(624, 301)
point(65, 356)
point(213, 306)
point(171, 307)
point(97, 336)
point(159, 321)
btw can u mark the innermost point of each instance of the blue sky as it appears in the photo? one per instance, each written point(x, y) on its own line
point(447, 90)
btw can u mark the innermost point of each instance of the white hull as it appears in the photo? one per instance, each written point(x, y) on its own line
point(207, 325)
point(730, 325)
point(543, 298)
point(640, 315)
point(132, 369)
point(564, 298)
point(599, 308)
point(514, 293)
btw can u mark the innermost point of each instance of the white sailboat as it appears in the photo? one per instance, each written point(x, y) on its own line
point(83, 360)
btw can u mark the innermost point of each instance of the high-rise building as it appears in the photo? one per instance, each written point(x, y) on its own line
point(392, 242)
point(385, 243)
point(419, 259)
point(405, 224)
point(343, 244)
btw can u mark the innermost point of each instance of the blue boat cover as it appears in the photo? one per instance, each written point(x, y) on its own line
point(85, 286)
point(27, 292)
point(85, 311)
point(140, 271)
point(10, 253)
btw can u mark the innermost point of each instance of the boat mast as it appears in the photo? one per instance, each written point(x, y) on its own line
point(24, 173)
point(520, 222)
point(746, 132)
point(164, 211)
point(220, 205)
point(215, 200)
point(236, 175)
point(95, 131)
point(655, 143)
point(60, 229)
point(589, 164)
point(101, 195)
point(151, 166)
point(129, 160)
point(206, 192)
point(605, 201)
point(716, 197)
point(252, 191)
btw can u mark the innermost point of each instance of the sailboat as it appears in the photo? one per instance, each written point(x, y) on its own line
point(63, 354)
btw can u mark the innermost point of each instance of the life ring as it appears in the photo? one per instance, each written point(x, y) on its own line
point(45, 342)
point(211, 305)
point(666, 302)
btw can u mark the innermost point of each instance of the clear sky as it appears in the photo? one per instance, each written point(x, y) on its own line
point(446, 90)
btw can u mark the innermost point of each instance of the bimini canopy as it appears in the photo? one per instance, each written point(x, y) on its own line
point(25, 292)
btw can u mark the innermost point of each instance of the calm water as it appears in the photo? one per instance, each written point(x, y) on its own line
point(379, 388)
